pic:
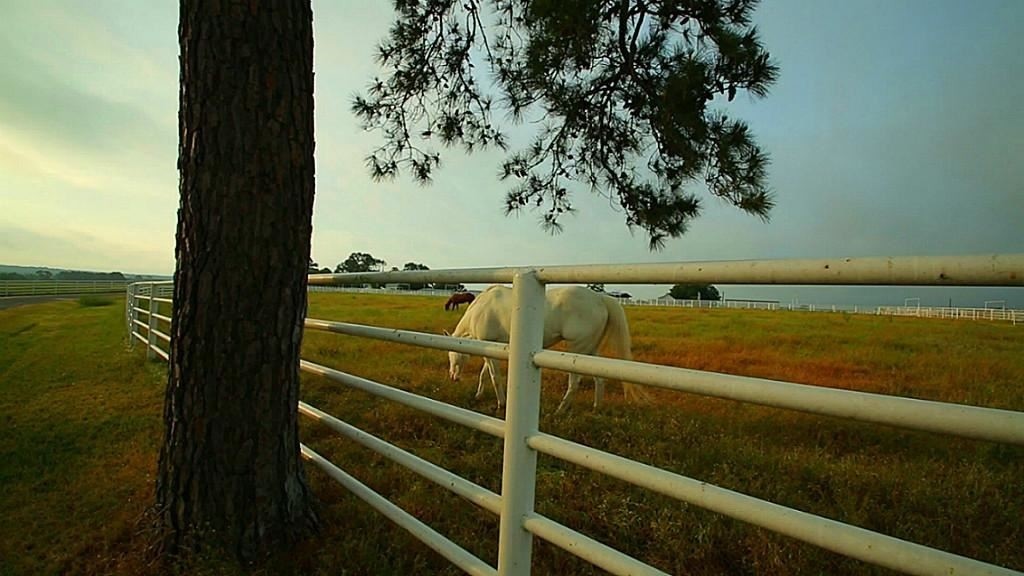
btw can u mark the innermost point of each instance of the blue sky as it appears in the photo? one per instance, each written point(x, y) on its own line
point(894, 129)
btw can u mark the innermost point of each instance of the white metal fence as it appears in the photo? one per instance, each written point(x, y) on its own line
point(41, 287)
point(519, 523)
point(1009, 315)
point(143, 302)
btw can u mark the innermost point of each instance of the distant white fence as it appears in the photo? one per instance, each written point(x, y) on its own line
point(366, 290)
point(519, 523)
point(1014, 316)
point(1009, 315)
point(42, 287)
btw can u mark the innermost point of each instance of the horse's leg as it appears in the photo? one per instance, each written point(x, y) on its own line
point(598, 392)
point(480, 384)
point(584, 345)
point(496, 380)
point(574, 382)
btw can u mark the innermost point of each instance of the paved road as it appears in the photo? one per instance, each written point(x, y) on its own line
point(12, 301)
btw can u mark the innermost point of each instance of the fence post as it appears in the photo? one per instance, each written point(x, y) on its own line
point(150, 336)
point(519, 465)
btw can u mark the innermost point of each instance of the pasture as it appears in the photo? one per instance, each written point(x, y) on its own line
point(80, 425)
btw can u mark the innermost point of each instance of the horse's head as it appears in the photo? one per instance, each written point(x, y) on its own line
point(455, 362)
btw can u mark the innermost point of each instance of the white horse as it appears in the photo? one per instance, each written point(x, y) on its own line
point(584, 319)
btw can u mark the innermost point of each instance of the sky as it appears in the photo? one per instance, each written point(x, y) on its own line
point(894, 129)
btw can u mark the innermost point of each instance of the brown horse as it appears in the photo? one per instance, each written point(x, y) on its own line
point(458, 298)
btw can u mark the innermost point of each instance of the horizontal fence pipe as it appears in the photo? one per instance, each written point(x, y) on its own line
point(140, 337)
point(495, 350)
point(980, 270)
point(138, 322)
point(986, 270)
point(468, 418)
point(443, 546)
point(161, 335)
point(452, 276)
point(582, 546)
point(471, 492)
point(159, 352)
point(162, 318)
point(844, 539)
point(989, 424)
point(163, 300)
point(574, 542)
point(141, 310)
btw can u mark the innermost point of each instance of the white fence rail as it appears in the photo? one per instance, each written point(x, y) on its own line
point(42, 287)
point(518, 521)
point(1010, 315)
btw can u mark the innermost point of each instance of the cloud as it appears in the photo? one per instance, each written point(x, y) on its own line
point(894, 129)
point(39, 102)
point(78, 249)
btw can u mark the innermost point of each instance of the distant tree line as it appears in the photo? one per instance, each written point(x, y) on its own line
point(365, 262)
point(63, 275)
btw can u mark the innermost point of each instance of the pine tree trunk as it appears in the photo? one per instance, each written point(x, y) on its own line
point(230, 472)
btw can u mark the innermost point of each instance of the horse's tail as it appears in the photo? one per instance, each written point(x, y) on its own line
point(619, 344)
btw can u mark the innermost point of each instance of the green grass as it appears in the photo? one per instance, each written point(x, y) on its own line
point(80, 425)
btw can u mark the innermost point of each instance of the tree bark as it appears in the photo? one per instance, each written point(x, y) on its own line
point(230, 471)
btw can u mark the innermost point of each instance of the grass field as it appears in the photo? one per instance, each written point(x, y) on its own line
point(80, 423)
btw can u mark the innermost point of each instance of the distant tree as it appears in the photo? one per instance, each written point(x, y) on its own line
point(63, 275)
point(360, 262)
point(84, 275)
point(416, 266)
point(313, 266)
point(596, 287)
point(325, 270)
point(694, 292)
point(622, 92)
